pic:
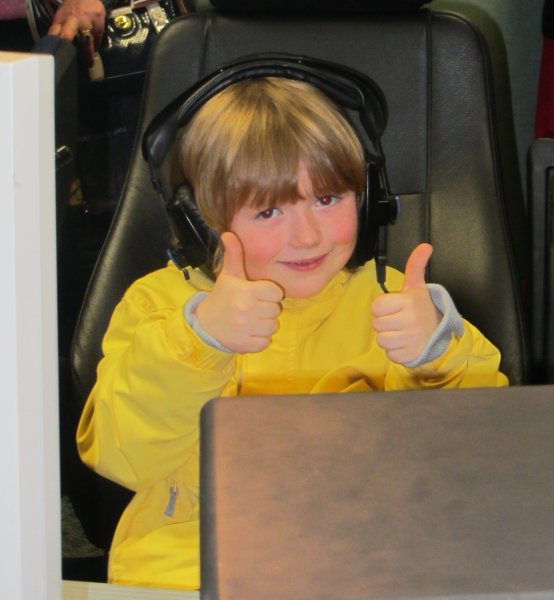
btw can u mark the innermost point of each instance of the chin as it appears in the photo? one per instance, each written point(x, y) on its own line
point(304, 289)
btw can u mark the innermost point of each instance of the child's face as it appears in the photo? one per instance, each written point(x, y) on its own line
point(300, 246)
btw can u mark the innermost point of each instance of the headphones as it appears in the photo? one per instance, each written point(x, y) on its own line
point(196, 242)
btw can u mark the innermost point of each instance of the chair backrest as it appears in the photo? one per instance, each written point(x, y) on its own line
point(443, 159)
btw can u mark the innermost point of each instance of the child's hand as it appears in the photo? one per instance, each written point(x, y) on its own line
point(238, 313)
point(405, 320)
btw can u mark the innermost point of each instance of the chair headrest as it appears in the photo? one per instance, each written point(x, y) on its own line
point(318, 6)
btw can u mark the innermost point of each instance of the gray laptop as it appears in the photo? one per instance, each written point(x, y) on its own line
point(384, 495)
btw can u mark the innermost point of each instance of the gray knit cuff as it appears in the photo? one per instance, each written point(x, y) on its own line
point(189, 313)
point(451, 322)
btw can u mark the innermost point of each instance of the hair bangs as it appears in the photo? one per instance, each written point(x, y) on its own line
point(264, 171)
point(334, 177)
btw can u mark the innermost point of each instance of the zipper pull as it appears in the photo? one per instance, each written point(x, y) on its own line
point(170, 508)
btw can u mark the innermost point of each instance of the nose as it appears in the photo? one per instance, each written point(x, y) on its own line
point(306, 230)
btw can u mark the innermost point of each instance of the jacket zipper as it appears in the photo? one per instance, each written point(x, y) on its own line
point(173, 493)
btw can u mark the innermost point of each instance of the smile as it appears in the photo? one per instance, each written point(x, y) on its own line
point(308, 264)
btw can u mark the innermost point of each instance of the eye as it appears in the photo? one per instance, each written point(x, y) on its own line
point(268, 213)
point(327, 200)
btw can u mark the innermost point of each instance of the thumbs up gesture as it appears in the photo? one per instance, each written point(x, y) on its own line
point(405, 321)
point(240, 314)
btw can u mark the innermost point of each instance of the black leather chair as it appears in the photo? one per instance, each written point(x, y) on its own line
point(442, 155)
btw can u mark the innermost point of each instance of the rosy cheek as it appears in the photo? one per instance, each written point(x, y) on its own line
point(257, 253)
point(351, 232)
point(347, 228)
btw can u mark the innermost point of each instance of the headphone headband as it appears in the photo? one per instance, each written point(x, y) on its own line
point(345, 86)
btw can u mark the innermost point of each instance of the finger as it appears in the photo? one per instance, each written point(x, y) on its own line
point(255, 344)
point(268, 310)
point(391, 322)
point(233, 257)
point(399, 338)
point(69, 28)
point(414, 275)
point(268, 291)
point(265, 328)
point(391, 340)
point(396, 348)
point(387, 304)
point(55, 29)
point(400, 356)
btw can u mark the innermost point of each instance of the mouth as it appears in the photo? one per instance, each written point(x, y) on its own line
point(306, 264)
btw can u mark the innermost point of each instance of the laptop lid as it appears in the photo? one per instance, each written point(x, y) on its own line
point(383, 495)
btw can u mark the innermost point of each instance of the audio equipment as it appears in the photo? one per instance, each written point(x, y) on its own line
point(350, 89)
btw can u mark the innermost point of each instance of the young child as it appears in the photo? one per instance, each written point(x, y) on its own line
point(277, 170)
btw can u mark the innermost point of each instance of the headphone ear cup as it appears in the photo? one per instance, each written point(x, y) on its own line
point(196, 239)
point(367, 224)
point(377, 209)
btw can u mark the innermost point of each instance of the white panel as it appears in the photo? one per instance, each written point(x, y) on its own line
point(30, 552)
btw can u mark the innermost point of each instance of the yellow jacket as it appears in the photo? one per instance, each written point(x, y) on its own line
point(140, 423)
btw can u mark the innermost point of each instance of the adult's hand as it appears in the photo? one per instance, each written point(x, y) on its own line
point(80, 17)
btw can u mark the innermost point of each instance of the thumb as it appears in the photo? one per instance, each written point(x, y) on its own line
point(414, 275)
point(233, 257)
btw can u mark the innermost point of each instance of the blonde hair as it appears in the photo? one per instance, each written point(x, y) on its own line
point(245, 146)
